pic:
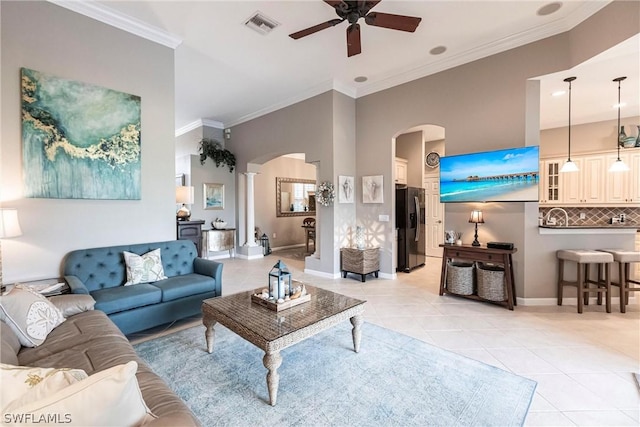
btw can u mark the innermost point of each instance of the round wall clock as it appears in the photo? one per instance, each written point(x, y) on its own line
point(432, 159)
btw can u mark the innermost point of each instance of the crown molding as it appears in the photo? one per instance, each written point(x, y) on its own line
point(116, 19)
point(212, 123)
point(188, 127)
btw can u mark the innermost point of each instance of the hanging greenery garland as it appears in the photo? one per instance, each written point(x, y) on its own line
point(326, 194)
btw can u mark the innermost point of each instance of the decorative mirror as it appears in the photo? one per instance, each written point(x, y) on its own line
point(295, 197)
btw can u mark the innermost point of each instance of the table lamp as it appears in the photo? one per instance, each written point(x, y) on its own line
point(184, 195)
point(476, 218)
point(9, 227)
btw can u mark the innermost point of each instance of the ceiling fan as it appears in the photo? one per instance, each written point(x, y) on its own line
point(352, 11)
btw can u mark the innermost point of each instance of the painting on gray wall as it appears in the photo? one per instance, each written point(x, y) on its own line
point(372, 189)
point(345, 189)
point(79, 141)
point(213, 196)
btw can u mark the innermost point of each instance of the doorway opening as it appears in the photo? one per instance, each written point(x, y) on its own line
point(417, 153)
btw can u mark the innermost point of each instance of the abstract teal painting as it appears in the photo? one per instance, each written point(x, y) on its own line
point(80, 141)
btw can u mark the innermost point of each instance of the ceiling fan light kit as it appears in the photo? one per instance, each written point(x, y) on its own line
point(352, 11)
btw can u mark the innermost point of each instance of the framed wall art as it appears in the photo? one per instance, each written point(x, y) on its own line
point(213, 196)
point(346, 189)
point(372, 190)
point(79, 141)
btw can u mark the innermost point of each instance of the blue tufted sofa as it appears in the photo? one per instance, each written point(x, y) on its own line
point(101, 272)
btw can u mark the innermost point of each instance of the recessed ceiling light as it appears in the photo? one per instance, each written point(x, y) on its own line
point(550, 8)
point(438, 50)
point(558, 93)
point(360, 79)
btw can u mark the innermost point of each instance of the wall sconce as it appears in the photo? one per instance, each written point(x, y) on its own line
point(184, 195)
point(618, 165)
point(476, 218)
point(569, 165)
point(9, 227)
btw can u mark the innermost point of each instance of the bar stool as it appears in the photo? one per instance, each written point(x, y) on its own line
point(624, 259)
point(584, 259)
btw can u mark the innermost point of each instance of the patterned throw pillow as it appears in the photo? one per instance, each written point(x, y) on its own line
point(144, 268)
point(30, 315)
point(17, 381)
point(111, 397)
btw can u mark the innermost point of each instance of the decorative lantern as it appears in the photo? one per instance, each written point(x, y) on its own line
point(279, 281)
point(264, 242)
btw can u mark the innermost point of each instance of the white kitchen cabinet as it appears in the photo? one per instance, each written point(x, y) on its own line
point(593, 184)
point(550, 181)
point(587, 185)
point(623, 188)
point(401, 170)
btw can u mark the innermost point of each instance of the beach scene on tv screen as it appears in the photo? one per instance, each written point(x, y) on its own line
point(502, 175)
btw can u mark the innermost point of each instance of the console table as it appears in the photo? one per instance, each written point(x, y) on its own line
point(222, 239)
point(359, 261)
point(190, 230)
point(482, 254)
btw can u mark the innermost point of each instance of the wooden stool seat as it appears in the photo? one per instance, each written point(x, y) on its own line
point(584, 258)
point(624, 258)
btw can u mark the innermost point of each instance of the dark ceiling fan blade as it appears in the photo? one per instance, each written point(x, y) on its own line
point(394, 22)
point(315, 28)
point(353, 40)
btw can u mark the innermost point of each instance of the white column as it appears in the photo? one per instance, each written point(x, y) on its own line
point(251, 222)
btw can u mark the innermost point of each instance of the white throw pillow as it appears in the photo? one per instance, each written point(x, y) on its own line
point(17, 381)
point(30, 315)
point(107, 398)
point(144, 268)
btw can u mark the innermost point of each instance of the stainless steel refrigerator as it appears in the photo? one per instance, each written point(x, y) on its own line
point(410, 224)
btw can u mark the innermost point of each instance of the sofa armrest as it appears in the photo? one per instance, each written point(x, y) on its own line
point(76, 285)
point(211, 268)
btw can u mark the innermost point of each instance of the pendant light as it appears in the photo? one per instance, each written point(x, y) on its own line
point(569, 165)
point(618, 165)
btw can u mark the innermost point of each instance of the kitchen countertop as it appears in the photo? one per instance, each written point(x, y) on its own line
point(627, 228)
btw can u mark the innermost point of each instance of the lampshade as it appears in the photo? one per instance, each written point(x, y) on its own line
point(476, 217)
point(184, 195)
point(618, 165)
point(569, 165)
point(9, 224)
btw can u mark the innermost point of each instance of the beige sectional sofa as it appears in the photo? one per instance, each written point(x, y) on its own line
point(91, 341)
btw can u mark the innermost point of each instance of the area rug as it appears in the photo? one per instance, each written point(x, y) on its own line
point(394, 380)
point(297, 253)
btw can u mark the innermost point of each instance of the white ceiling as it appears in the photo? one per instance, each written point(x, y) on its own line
point(227, 73)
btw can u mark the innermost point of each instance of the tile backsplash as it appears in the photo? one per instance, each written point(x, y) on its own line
point(594, 216)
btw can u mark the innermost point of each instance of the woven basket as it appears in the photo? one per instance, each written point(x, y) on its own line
point(460, 278)
point(490, 280)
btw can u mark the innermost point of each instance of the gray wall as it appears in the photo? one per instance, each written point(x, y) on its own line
point(321, 127)
point(483, 106)
point(51, 39)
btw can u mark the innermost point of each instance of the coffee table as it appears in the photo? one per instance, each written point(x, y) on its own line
point(273, 331)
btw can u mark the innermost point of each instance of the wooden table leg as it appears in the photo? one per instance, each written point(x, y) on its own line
point(209, 333)
point(356, 332)
point(443, 273)
point(272, 362)
point(508, 279)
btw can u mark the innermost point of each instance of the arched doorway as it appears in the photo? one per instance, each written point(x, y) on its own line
point(413, 147)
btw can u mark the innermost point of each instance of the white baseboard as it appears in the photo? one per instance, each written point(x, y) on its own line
point(281, 248)
point(322, 274)
point(249, 257)
point(566, 301)
point(387, 276)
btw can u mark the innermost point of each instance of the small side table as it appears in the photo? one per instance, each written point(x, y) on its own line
point(222, 239)
point(360, 261)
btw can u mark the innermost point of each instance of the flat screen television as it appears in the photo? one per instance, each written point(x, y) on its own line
point(509, 175)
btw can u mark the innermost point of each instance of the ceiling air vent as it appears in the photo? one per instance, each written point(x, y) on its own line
point(261, 23)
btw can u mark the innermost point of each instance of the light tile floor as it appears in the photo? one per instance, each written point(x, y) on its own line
point(583, 363)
